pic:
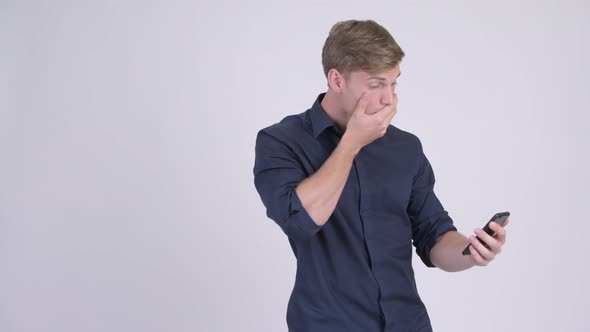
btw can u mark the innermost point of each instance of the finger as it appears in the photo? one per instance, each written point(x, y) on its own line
point(500, 232)
point(476, 257)
point(486, 253)
point(394, 110)
point(361, 104)
point(386, 114)
point(385, 122)
point(490, 241)
point(391, 115)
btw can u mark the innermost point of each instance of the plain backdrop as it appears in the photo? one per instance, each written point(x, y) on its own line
point(127, 133)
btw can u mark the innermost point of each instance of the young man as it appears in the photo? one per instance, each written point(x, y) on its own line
point(353, 193)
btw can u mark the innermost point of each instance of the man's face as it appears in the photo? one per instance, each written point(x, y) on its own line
point(380, 89)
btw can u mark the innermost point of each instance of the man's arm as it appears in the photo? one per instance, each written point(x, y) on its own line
point(320, 192)
point(299, 203)
point(447, 252)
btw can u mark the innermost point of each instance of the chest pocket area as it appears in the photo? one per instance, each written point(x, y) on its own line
point(385, 189)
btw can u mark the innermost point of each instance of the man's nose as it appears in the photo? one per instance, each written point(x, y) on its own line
point(387, 97)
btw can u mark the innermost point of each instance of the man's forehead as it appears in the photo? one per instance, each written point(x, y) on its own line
point(386, 74)
point(384, 77)
point(390, 74)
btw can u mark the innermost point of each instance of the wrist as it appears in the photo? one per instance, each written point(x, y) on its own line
point(349, 145)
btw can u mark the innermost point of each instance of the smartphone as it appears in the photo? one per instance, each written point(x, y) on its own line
point(499, 218)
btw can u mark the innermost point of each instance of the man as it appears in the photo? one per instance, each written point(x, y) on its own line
point(353, 193)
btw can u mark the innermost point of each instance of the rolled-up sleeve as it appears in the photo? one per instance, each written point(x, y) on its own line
point(277, 172)
point(428, 217)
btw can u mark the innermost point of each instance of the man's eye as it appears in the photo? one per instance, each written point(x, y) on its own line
point(375, 86)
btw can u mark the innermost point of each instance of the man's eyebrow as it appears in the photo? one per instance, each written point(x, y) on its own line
point(383, 78)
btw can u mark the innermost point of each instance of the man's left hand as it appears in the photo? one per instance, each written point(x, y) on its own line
point(481, 255)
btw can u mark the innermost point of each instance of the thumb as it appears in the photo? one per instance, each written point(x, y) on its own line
point(361, 104)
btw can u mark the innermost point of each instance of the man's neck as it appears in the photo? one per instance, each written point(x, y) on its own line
point(334, 111)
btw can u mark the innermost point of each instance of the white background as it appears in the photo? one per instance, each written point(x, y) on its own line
point(127, 133)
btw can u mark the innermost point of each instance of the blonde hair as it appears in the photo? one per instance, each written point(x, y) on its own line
point(360, 45)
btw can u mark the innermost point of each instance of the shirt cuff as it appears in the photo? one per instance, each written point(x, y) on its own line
point(447, 227)
point(300, 225)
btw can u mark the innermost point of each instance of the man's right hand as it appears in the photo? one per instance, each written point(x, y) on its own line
point(363, 128)
point(319, 193)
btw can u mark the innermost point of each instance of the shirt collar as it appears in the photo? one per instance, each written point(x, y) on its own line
point(319, 119)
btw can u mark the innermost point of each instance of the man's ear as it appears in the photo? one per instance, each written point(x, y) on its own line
point(336, 80)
